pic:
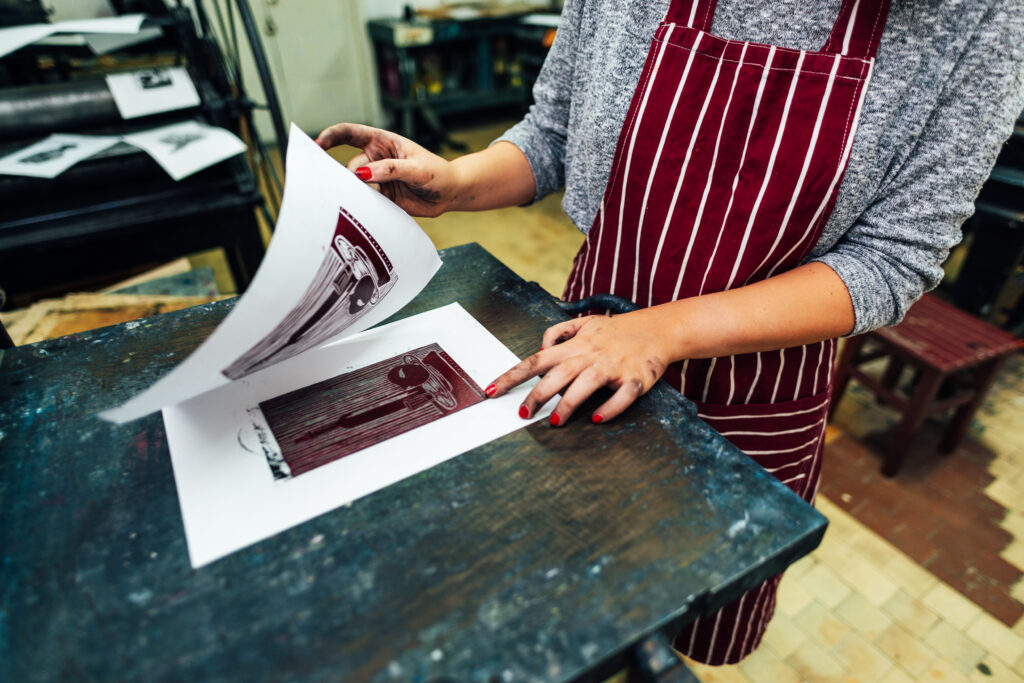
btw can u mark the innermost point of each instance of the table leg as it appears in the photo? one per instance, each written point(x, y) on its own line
point(842, 373)
point(913, 417)
point(986, 375)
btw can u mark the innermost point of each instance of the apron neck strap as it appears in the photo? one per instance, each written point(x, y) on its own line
point(696, 14)
point(856, 33)
point(858, 30)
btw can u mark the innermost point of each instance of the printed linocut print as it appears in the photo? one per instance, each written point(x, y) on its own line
point(354, 275)
point(337, 417)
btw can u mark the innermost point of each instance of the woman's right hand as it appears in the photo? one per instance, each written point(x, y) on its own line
point(419, 181)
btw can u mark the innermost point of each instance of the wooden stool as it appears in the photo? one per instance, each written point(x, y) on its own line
point(943, 344)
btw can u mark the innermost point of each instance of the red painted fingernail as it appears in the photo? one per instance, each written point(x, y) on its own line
point(555, 420)
point(524, 412)
point(597, 418)
point(364, 173)
point(490, 390)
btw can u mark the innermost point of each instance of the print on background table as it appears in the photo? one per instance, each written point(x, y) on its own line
point(328, 420)
point(48, 154)
point(152, 91)
point(153, 78)
point(55, 154)
point(353, 277)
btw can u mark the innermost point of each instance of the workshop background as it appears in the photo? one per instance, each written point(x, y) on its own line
point(920, 573)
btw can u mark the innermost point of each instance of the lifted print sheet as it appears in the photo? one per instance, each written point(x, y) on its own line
point(343, 258)
point(284, 445)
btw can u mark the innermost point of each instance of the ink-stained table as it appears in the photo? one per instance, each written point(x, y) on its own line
point(545, 555)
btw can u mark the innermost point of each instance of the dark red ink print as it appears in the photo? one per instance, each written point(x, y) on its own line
point(328, 420)
point(353, 277)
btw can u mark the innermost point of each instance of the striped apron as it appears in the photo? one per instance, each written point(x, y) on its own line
point(725, 173)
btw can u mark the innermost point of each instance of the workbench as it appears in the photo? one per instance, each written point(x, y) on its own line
point(548, 554)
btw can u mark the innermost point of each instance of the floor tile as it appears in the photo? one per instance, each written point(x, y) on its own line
point(765, 665)
point(823, 584)
point(912, 578)
point(865, 579)
point(783, 636)
point(814, 663)
point(896, 675)
point(821, 624)
point(910, 613)
point(954, 646)
point(995, 637)
point(1014, 553)
point(866, 619)
point(998, 673)
point(720, 674)
point(905, 650)
point(862, 658)
point(791, 597)
point(944, 671)
point(951, 606)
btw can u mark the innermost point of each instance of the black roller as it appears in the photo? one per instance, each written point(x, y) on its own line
point(42, 109)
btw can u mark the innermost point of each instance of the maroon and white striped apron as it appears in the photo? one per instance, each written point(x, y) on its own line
point(726, 170)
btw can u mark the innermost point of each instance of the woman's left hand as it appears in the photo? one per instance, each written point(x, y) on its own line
point(624, 352)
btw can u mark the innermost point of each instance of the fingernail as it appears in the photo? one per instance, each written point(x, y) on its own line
point(555, 420)
point(364, 173)
point(490, 390)
point(524, 412)
point(597, 418)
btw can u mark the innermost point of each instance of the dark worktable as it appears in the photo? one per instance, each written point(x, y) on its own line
point(548, 554)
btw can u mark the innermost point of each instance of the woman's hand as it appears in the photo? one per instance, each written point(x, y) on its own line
point(419, 181)
point(623, 352)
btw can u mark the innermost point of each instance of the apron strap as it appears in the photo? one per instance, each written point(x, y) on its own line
point(696, 14)
point(858, 30)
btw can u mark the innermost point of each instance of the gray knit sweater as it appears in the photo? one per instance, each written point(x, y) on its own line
point(947, 86)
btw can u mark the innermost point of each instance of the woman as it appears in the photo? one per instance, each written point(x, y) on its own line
point(758, 201)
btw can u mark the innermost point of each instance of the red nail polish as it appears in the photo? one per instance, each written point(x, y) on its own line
point(490, 390)
point(364, 173)
point(555, 420)
point(597, 418)
point(524, 412)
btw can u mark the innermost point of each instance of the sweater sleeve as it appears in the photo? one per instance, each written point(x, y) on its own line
point(542, 133)
point(894, 251)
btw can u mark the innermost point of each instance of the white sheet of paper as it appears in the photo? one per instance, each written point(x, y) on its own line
point(152, 91)
point(229, 497)
point(104, 43)
point(17, 37)
point(128, 23)
point(50, 157)
point(186, 148)
point(293, 280)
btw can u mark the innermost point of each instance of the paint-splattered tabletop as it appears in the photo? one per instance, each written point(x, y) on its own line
point(545, 555)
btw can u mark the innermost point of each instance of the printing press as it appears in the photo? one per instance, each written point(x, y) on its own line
point(119, 211)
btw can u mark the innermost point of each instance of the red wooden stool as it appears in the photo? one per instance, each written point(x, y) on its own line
point(942, 343)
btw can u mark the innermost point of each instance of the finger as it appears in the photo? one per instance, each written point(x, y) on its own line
point(631, 390)
point(354, 134)
point(408, 171)
point(556, 334)
point(537, 364)
point(556, 379)
point(357, 161)
point(586, 383)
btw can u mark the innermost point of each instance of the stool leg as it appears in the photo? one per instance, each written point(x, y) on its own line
point(986, 375)
point(841, 378)
point(891, 376)
point(912, 420)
